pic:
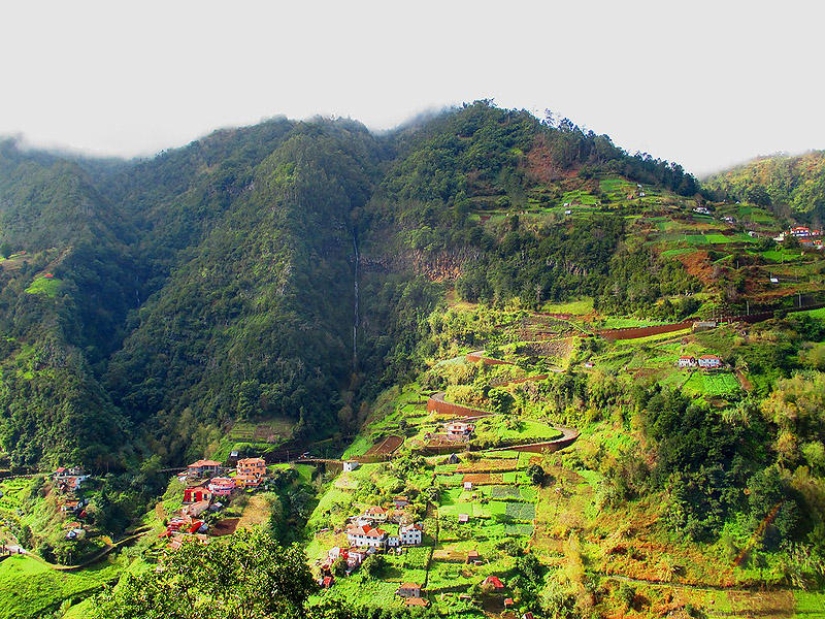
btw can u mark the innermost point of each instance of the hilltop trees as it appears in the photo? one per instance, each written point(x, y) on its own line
point(248, 576)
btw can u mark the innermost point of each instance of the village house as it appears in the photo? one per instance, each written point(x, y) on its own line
point(400, 502)
point(69, 479)
point(221, 486)
point(351, 465)
point(801, 231)
point(453, 459)
point(459, 430)
point(687, 362)
point(70, 505)
point(704, 325)
point(196, 494)
point(204, 468)
point(709, 362)
point(376, 513)
point(463, 518)
point(250, 471)
point(354, 559)
point(473, 557)
point(366, 536)
point(193, 510)
point(408, 590)
point(494, 582)
point(415, 601)
point(411, 534)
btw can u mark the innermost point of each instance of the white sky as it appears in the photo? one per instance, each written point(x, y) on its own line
point(705, 83)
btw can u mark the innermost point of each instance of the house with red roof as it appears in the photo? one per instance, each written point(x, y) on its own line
point(365, 535)
point(195, 494)
point(411, 534)
point(494, 582)
point(221, 486)
point(376, 513)
point(709, 361)
point(408, 590)
point(204, 468)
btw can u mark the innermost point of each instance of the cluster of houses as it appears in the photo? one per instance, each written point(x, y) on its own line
point(249, 473)
point(807, 237)
point(366, 537)
point(207, 485)
point(706, 362)
point(67, 482)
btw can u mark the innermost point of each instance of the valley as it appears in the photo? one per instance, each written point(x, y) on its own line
point(483, 366)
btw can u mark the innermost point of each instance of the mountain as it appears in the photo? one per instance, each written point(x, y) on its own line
point(283, 272)
point(790, 185)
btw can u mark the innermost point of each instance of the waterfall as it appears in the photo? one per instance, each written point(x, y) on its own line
point(356, 320)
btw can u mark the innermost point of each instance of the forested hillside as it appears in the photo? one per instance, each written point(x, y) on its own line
point(790, 185)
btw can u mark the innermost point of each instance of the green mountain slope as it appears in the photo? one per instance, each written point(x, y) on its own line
point(285, 272)
point(794, 185)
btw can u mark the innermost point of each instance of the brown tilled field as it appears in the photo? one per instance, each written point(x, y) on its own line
point(385, 447)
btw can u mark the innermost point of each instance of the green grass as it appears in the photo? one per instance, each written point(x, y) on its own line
point(810, 604)
point(360, 592)
point(46, 286)
point(577, 308)
point(817, 313)
point(579, 196)
point(358, 447)
point(722, 384)
point(33, 590)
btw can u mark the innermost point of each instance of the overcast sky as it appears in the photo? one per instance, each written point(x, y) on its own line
point(703, 83)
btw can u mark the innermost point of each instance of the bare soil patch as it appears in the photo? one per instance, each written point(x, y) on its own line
point(226, 526)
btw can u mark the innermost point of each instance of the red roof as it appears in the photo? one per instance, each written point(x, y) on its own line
point(494, 580)
point(197, 524)
point(204, 463)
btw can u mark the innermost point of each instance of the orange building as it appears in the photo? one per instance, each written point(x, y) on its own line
point(250, 471)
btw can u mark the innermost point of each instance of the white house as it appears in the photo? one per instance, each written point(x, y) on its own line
point(458, 430)
point(687, 362)
point(366, 536)
point(411, 534)
point(351, 465)
point(710, 361)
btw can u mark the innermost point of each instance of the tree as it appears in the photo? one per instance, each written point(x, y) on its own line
point(250, 576)
point(536, 474)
